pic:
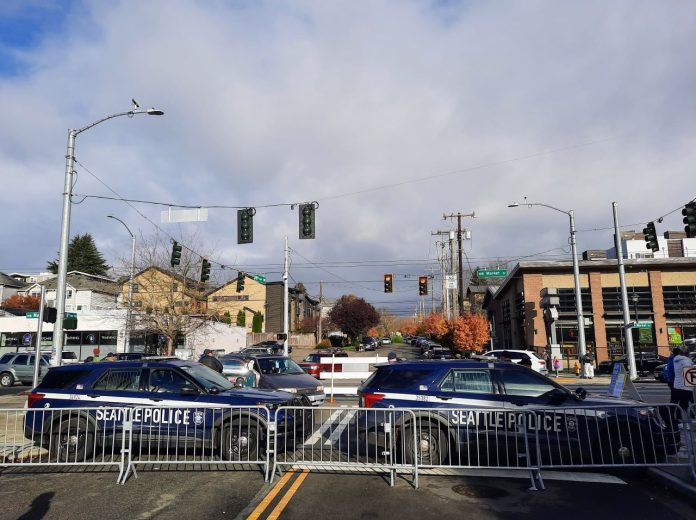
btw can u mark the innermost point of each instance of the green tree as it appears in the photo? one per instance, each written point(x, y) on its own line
point(241, 319)
point(226, 318)
point(83, 256)
point(354, 315)
point(257, 322)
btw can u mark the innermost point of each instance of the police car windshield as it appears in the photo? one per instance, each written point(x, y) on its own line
point(207, 378)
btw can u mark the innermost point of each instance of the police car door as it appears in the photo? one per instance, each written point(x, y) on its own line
point(115, 388)
point(174, 411)
point(476, 413)
point(533, 401)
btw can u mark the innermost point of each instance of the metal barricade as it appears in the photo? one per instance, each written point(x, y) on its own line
point(63, 437)
point(689, 431)
point(344, 440)
point(458, 438)
point(609, 436)
point(229, 436)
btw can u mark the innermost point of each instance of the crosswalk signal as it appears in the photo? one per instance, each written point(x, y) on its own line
point(388, 283)
point(307, 221)
point(245, 225)
point(176, 254)
point(240, 281)
point(689, 213)
point(205, 270)
point(650, 235)
point(422, 285)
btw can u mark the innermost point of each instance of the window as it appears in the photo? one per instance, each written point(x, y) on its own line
point(470, 381)
point(167, 381)
point(6, 358)
point(175, 286)
point(137, 303)
point(119, 380)
point(135, 287)
point(62, 378)
point(22, 359)
point(68, 293)
point(389, 378)
point(525, 383)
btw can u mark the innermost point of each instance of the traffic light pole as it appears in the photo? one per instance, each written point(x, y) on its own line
point(286, 311)
point(460, 274)
point(628, 333)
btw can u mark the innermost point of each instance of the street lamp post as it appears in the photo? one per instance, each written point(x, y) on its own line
point(576, 272)
point(130, 285)
point(65, 223)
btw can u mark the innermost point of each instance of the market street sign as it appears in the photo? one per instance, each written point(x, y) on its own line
point(32, 314)
point(642, 325)
point(260, 278)
point(492, 273)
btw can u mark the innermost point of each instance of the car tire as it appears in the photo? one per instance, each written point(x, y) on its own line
point(430, 447)
point(241, 441)
point(72, 441)
point(6, 379)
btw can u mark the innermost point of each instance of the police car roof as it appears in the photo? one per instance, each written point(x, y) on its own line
point(458, 363)
point(133, 363)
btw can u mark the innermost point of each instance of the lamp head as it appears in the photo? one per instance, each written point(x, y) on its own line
point(154, 112)
point(513, 205)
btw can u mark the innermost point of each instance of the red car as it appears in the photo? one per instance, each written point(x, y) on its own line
point(314, 368)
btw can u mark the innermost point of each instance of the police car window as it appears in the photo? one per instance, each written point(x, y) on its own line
point(207, 378)
point(119, 380)
point(62, 378)
point(469, 381)
point(166, 381)
point(525, 383)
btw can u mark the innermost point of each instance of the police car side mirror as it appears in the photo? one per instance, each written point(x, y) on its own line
point(580, 393)
point(189, 390)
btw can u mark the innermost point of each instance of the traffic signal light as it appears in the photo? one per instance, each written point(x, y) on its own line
point(50, 315)
point(651, 237)
point(240, 281)
point(689, 213)
point(205, 270)
point(245, 225)
point(176, 254)
point(422, 285)
point(388, 283)
point(307, 220)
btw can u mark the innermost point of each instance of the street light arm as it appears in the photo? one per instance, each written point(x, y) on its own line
point(130, 113)
point(122, 222)
point(530, 204)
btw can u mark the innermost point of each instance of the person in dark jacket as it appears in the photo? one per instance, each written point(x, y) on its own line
point(210, 361)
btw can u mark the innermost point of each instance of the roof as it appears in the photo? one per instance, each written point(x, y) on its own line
point(86, 282)
point(233, 280)
point(477, 289)
point(8, 281)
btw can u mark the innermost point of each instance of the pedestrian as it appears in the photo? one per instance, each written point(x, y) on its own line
point(668, 372)
point(251, 380)
point(109, 357)
point(209, 360)
point(683, 394)
point(588, 365)
point(556, 363)
point(391, 358)
point(526, 362)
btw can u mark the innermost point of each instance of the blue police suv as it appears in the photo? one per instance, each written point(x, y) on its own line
point(78, 409)
point(465, 412)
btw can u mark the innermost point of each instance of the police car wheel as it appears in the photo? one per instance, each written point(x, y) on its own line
point(6, 379)
point(431, 444)
point(240, 442)
point(73, 441)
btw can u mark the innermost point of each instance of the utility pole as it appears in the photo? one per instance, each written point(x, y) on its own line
point(453, 300)
point(460, 277)
point(442, 272)
point(321, 299)
point(286, 311)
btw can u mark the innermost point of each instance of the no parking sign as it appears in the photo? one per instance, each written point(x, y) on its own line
point(690, 376)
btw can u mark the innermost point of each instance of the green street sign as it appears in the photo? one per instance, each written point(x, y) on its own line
point(642, 325)
point(492, 273)
point(259, 278)
point(32, 314)
point(71, 315)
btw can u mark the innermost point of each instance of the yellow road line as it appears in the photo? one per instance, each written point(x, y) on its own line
point(256, 513)
point(288, 495)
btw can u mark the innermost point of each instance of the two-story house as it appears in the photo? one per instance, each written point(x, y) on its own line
point(250, 300)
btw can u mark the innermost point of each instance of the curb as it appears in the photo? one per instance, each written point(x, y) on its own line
point(675, 483)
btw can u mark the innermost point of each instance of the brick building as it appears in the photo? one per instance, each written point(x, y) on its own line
point(661, 294)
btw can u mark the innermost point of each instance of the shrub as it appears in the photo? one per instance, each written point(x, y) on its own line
point(397, 338)
point(324, 343)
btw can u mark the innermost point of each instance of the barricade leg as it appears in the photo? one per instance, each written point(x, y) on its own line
point(127, 449)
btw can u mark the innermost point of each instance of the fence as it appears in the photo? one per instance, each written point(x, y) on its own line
point(388, 441)
point(294, 340)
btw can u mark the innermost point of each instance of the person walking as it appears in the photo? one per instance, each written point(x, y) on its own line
point(556, 364)
point(668, 372)
point(588, 365)
point(682, 393)
point(252, 378)
point(209, 360)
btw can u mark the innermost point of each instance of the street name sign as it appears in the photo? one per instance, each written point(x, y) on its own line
point(32, 314)
point(492, 273)
point(642, 325)
point(260, 278)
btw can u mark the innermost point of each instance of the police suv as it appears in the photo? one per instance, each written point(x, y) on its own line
point(76, 410)
point(465, 412)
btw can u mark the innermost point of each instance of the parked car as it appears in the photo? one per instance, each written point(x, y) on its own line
point(233, 367)
point(386, 340)
point(19, 366)
point(313, 367)
point(437, 351)
point(646, 363)
point(255, 351)
point(275, 347)
point(368, 343)
point(516, 356)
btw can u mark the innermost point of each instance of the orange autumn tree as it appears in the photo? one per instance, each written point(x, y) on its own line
point(21, 302)
point(435, 325)
point(470, 332)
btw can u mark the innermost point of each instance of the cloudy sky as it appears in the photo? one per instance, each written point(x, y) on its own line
point(387, 113)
